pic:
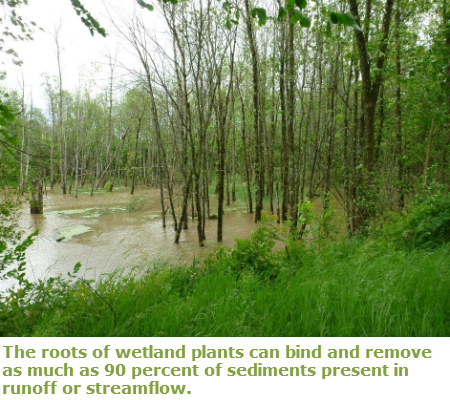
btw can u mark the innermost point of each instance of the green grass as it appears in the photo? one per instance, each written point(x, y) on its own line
point(349, 289)
point(371, 286)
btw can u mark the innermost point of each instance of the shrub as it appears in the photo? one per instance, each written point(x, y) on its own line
point(254, 255)
point(426, 225)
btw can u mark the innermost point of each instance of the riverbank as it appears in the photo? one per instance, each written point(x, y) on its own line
point(388, 284)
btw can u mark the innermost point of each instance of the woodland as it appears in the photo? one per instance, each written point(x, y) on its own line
point(278, 104)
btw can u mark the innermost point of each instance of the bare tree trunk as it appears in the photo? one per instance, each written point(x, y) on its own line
point(110, 119)
point(398, 110)
point(318, 126)
point(245, 149)
point(222, 118)
point(62, 133)
point(427, 159)
point(37, 198)
point(27, 158)
point(284, 146)
point(22, 152)
point(259, 174)
point(347, 166)
point(331, 128)
point(370, 93)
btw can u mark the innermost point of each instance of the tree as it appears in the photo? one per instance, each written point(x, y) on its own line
point(16, 28)
point(372, 79)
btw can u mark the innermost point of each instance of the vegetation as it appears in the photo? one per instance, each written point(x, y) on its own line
point(277, 105)
point(353, 287)
point(355, 104)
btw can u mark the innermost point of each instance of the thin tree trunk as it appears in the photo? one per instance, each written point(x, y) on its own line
point(427, 159)
point(398, 110)
point(259, 175)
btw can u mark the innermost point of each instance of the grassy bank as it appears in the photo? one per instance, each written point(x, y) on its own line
point(389, 284)
point(342, 292)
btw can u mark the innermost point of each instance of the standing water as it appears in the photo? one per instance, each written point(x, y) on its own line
point(116, 230)
point(110, 231)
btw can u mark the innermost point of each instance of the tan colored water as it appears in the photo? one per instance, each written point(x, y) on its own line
point(117, 238)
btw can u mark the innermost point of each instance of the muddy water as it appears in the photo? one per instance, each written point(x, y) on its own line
point(125, 231)
point(117, 231)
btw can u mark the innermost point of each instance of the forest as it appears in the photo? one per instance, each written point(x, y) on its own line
point(326, 121)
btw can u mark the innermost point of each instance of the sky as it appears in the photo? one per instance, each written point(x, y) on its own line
point(80, 49)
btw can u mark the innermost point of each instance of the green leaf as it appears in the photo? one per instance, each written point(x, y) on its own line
point(345, 19)
point(350, 19)
point(262, 16)
point(77, 268)
point(261, 13)
point(227, 6)
point(296, 14)
point(237, 14)
point(88, 19)
point(143, 4)
point(290, 4)
point(341, 18)
point(305, 22)
point(228, 24)
point(5, 113)
point(282, 13)
point(300, 3)
point(334, 18)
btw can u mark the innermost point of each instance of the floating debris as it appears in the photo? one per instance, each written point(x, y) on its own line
point(69, 232)
point(154, 216)
point(71, 212)
point(93, 215)
point(90, 212)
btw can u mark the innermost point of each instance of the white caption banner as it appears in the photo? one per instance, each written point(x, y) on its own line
point(225, 368)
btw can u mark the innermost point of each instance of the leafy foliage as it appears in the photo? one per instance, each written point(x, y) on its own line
point(12, 264)
point(345, 19)
point(254, 255)
point(6, 115)
point(13, 25)
point(88, 19)
point(426, 225)
point(143, 4)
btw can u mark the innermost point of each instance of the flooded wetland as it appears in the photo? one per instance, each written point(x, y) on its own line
point(108, 231)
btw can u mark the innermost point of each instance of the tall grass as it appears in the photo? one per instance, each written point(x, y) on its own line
point(346, 290)
point(358, 287)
